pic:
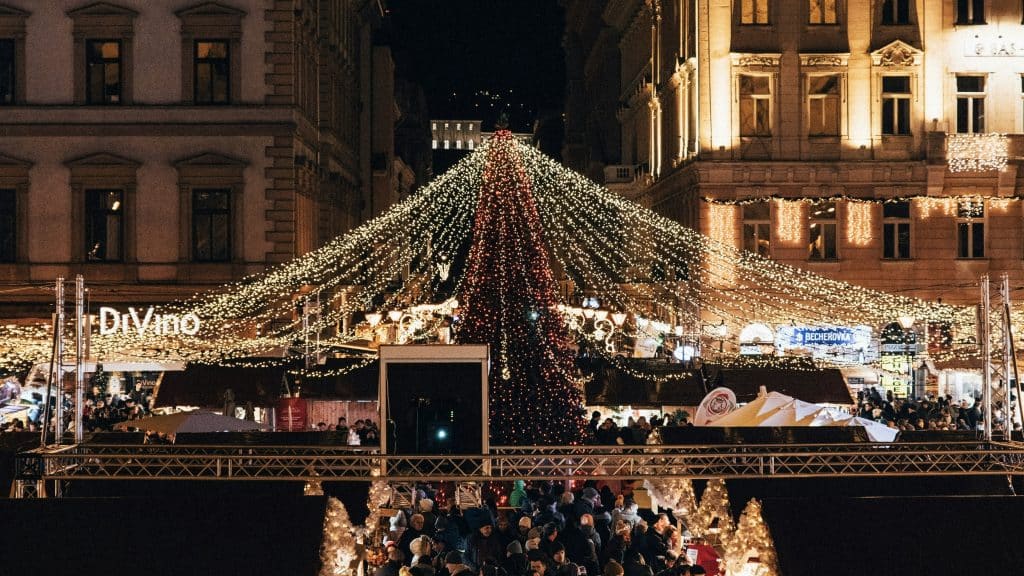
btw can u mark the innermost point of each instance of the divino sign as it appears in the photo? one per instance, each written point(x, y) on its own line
point(147, 322)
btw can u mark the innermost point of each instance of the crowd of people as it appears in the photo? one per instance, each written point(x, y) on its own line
point(544, 531)
point(927, 413)
point(361, 433)
point(101, 411)
point(636, 431)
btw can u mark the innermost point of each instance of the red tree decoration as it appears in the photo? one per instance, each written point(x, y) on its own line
point(509, 301)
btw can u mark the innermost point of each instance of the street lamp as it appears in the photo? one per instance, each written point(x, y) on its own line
point(909, 346)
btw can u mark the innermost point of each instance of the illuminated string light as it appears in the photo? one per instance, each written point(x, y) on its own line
point(976, 152)
point(511, 304)
point(634, 260)
point(790, 221)
point(859, 223)
point(751, 550)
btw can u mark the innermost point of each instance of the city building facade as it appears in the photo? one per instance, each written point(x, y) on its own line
point(165, 148)
point(870, 141)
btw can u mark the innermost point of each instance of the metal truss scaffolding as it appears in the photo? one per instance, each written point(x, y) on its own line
point(306, 463)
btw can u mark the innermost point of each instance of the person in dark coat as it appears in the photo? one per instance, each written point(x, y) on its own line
point(393, 565)
point(657, 546)
point(635, 565)
point(616, 548)
point(414, 531)
point(484, 545)
point(547, 513)
point(560, 563)
point(516, 563)
point(455, 564)
point(426, 506)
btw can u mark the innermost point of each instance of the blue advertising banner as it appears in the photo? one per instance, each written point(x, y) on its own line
point(822, 336)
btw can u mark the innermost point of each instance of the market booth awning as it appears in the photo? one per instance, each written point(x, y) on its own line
point(810, 384)
point(203, 385)
point(662, 383)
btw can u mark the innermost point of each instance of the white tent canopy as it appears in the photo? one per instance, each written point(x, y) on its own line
point(775, 409)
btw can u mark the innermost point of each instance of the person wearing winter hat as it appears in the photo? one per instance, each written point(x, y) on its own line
point(484, 545)
point(454, 563)
point(518, 495)
point(523, 528)
point(516, 562)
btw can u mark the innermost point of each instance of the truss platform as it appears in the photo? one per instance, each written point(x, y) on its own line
point(329, 463)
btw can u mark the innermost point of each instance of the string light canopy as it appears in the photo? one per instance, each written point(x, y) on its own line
point(637, 264)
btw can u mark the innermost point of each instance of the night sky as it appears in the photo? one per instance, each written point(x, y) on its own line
point(476, 58)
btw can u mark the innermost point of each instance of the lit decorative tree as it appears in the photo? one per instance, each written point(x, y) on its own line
point(714, 505)
point(338, 551)
point(509, 299)
point(675, 494)
point(751, 551)
point(378, 497)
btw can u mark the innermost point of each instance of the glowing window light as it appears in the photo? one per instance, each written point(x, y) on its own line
point(858, 223)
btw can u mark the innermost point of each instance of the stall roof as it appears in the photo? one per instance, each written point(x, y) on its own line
point(808, 383)
point(666, 384)
point(203, 385)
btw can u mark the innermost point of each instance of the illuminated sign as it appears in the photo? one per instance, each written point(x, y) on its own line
point(113, 321)
point(833, 336)
point(1001, 46)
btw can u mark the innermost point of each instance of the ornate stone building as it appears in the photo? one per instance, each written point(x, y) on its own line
point(871, 141)
point(165, 147)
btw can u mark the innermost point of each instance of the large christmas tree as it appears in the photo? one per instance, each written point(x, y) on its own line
point(509, 302)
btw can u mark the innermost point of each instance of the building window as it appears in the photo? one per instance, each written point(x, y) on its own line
point(103, 225)
point(754, 12)
point(469, 144)
point(446, 144)
point(103, 72)
point(8, 226)
point(970, 104)
point(469, 127)
point(895, 12)
point(822, 244)
point(970, 11)
point(896, 230)
point(755, 105)
point(433, 126)
point(212, 72)
point(970, 229)
point(458, 144)
point(757, 226)
point(458, 126)
point(823, 95)
point(823, 11)
point(211, 225)
point(896, 105)
point(433, 144)
point(7, 70)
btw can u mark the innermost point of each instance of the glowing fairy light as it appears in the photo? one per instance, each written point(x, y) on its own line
point(976, 152)
point(859, 223)
point(790, 221)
